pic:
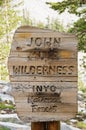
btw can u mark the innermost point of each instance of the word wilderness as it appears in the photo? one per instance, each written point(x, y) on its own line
point(43, 70)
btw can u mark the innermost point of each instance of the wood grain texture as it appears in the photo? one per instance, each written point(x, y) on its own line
point(26, 67)
point(43, 39)
point(55, 125)
point(42, 69)
point(37, 78)
point(25, 44)
point(41, 117)
point(56, 54)
point(38, 126)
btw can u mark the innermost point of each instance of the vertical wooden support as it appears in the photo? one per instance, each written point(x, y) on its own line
point(55, 125)
point(38, 126)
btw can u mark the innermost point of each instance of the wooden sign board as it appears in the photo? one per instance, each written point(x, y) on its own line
point(43, 72)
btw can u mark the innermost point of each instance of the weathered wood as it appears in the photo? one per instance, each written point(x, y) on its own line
point(52, 88)
point(29, 38)
point(23, 66)
point(38, 126)
point(41, 117)
point(46, 107)
point(37, 78)
point(56, 54)
point(43, 72)
point(44, 43)
point(55, 125)
point(26, 29)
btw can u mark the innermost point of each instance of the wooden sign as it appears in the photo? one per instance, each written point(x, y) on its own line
point(43, 72)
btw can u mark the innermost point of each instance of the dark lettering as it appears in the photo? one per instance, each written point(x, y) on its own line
point(32, 69)
point(38, 41)
point(39, 69)
point(53, 88)
point(48, 41)
point(59, 70)
point(65, 70)
point(71, 70)
point(45, 88)
point(43, 70)
point(39, 88)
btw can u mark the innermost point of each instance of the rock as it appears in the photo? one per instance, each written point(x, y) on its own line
point(79, 117)
point(7, 97)
point(84, 112)
point(80, 96)
point(5, 87)
point(81, 106)
point(3, 112)
point(73, 121)
point(64, 126)
point(80, 93)
point(14, 126)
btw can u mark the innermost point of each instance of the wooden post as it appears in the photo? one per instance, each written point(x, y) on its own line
point(55, 125)
point(38, 126)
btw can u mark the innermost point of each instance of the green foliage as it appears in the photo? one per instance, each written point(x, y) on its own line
point(71, 5)
point(40, 25)
point(79, 27)
point(4, 128)
point(1, 2)
point(81, 125)
point(81, 85)
point(54, 24)
point(3, 72)
point(4, 106)
point(9, 21)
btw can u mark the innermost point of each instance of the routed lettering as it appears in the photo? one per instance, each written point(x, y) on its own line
point(44, 42)
point(44, 70)
point(46, 89)
point(43, 99)
point(36, 108)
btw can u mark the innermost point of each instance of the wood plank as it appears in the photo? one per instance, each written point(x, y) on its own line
point(64, 112)
point(46, 87)
point(50, 117)
point(25, 67)
point(45, 61)
point(43, 41)
point(46, 108)
point(57, 54)
point(43, 34)
point(66, 96)
point(37, 78)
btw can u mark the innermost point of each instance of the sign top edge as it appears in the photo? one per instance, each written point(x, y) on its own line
point(33, 29)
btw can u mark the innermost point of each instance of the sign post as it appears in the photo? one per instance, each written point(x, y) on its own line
point(38, 126)
point(43, 72)
point(55, 125)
